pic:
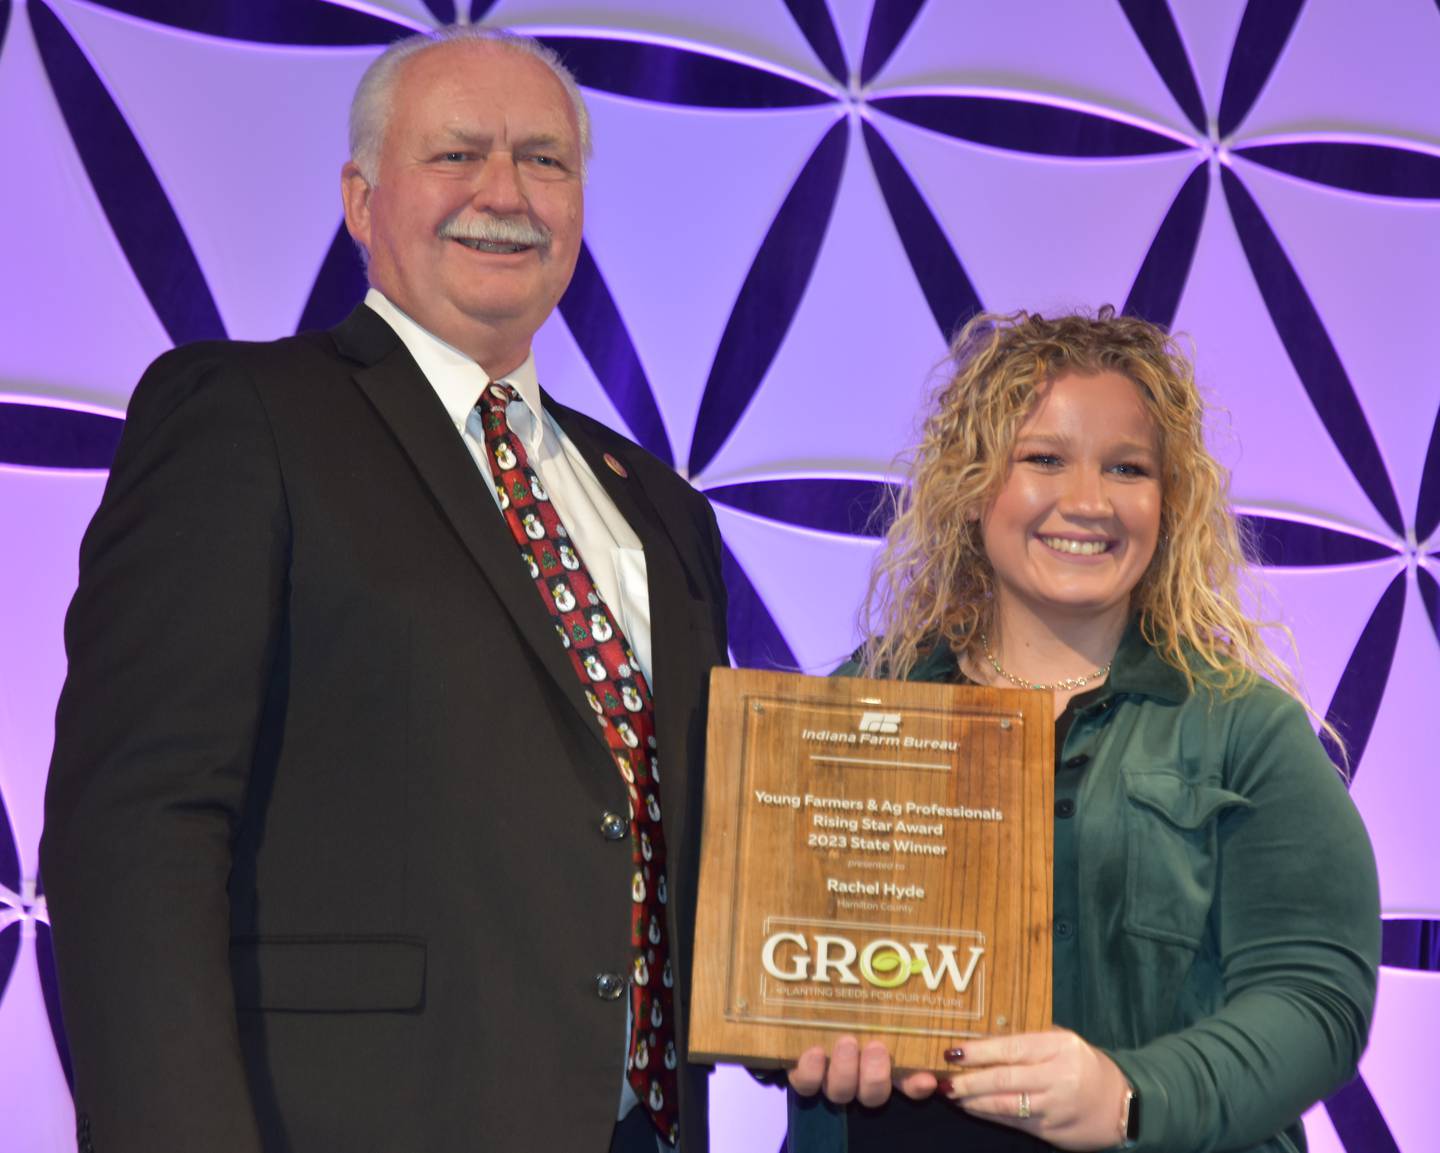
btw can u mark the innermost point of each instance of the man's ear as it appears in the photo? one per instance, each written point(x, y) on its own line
point(355, 194)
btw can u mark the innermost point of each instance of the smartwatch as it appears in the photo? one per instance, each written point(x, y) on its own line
point(1130, 1118)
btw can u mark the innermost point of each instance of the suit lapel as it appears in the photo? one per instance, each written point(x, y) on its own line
point(405, 402)
point(629, 496)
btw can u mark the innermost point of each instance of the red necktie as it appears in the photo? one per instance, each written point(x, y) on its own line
point(618, 692)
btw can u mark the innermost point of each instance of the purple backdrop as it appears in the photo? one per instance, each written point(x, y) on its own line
point(792, 202)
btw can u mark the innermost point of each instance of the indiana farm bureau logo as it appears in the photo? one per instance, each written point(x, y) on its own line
point(879, 723)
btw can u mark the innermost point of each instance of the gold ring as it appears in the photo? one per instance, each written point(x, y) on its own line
point(1024, 1111)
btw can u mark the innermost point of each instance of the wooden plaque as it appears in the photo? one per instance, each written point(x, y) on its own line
point(877, 860)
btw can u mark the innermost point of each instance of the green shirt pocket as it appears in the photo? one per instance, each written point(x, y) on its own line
point(1172, 853)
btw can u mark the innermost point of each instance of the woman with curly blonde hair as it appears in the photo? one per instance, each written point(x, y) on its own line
point(1065, 528)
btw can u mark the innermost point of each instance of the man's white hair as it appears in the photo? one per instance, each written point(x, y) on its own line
point(370, 109)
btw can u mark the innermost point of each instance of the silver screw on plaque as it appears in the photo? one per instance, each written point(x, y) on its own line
point(1001, 1022)
point(742, 1006)
point(758, 707)
point(1004, 722)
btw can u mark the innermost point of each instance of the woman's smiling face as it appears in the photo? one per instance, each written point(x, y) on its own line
point(1075, 524)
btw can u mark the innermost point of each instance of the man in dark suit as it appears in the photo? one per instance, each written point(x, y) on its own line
point(342, 851)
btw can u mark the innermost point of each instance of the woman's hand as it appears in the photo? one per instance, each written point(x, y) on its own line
point(853, 1074)
point(1052, 1084)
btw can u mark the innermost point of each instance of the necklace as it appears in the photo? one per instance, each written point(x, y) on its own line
point(1061, 686)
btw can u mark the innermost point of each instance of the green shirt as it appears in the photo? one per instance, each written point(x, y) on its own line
point(1217, 921)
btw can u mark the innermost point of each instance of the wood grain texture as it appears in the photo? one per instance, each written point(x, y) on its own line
point(887, 848)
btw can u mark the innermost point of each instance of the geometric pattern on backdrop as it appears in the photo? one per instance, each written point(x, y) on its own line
point(864, 176)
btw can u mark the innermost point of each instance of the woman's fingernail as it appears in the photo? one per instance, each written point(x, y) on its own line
point(954, 1054)
point(945, 1087)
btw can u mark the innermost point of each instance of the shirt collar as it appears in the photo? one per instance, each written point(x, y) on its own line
point(1140, 669)
point(457, 380)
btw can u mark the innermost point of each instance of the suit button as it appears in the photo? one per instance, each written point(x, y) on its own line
point(612, 827)
point(609, 986)
point(1065, 807)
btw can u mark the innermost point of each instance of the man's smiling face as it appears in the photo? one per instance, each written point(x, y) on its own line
point(473, 223)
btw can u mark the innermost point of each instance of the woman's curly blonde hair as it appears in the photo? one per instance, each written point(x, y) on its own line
point(933, 582)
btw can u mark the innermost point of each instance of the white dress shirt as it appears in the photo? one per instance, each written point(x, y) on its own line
point(604, 539)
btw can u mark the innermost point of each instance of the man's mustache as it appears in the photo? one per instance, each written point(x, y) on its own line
point(495, 230)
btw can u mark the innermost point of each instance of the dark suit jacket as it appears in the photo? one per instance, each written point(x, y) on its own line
point(323, 848)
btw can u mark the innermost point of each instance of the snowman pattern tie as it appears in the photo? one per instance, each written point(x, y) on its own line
point(620, 696)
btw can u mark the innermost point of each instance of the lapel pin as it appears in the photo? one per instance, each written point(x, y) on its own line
point(616, 467)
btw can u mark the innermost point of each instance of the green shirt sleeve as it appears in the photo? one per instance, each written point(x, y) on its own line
point(1296, 930)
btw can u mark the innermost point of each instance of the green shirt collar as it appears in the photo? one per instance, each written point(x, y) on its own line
point(1139, 669)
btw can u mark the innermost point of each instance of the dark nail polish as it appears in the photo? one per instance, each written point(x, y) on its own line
point(945, 1087)
point(954, 1054)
